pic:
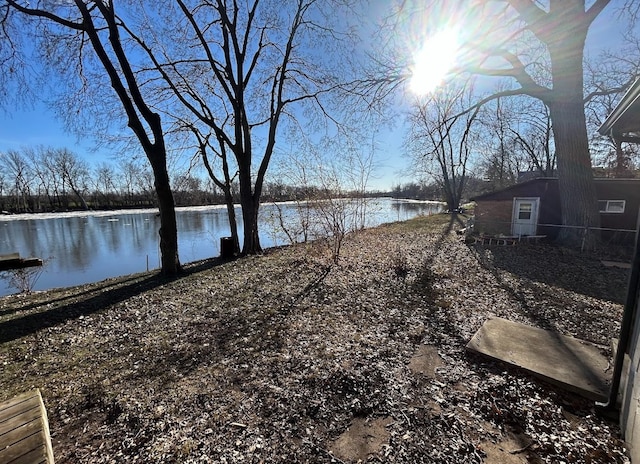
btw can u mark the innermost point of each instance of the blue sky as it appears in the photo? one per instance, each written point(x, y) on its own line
point(39, 125)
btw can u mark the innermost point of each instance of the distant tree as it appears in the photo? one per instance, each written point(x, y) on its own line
point(43, 177)
point(500, 161)
point(130, 172)
point(18, 172)
point(104, 182)
point(188, 190)
point(440, 141)
point(74, 173)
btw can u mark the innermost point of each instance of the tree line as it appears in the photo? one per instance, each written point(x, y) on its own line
point(45, 179)
point(506, 141)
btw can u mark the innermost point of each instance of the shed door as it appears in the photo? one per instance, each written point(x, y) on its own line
point(525, 216)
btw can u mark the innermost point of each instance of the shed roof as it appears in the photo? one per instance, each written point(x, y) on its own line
point(532, 187)
point(515, 190)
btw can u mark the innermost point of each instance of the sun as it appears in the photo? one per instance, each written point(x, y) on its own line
point(434, 61)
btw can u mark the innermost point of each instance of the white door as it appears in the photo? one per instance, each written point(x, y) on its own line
point(525, 216)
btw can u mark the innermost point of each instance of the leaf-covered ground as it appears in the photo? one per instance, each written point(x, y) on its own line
point(286, 357)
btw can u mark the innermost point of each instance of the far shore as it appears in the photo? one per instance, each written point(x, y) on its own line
point(7, 216)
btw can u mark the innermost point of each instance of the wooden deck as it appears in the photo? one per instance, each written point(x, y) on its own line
point(14, 261)
point(24, 431)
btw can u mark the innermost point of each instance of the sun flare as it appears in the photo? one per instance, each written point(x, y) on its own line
point(434, 61)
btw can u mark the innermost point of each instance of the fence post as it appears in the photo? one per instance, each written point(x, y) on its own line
point(584, 238)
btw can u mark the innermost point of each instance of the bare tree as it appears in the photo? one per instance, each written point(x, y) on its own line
point(17, 170)
point(329, 193)
point(501, 161)
point(89, 35)
point(241, 71)
point(104, 182)
point(534, 138)
point(440, 141)
point(44, 180)
point(607, 78)
point(74, 173)
point(225, 181)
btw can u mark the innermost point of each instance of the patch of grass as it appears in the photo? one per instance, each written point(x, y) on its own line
point(432, 224)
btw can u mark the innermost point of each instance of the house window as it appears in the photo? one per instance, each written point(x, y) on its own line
point(611, 206)
point(524, 212)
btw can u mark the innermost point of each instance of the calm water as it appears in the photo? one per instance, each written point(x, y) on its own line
point(81, 248)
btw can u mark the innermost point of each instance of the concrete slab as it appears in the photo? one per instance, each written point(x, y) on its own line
point(567, 362)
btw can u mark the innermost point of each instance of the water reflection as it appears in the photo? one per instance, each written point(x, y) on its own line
point(88, 248)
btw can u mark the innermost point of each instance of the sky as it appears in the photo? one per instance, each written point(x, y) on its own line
point(26, 127)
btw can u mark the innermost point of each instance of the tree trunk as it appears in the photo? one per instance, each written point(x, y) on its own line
point(233, 222)
point(80, 197)
point(566, 108)
point(170, 261)
point(251, 243)
point(250, 203)
point(622, 163)
point(575, 178)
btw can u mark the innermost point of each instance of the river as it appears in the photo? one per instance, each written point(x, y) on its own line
point(84, 247)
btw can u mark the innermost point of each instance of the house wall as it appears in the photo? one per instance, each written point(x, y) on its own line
point(630, 412)
point(494, 211)
point(620, 189)
point(493, 217)
point(550, 210)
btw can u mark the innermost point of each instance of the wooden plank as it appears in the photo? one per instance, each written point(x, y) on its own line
point(17, 421)
point(20, 263)
point(25, 446)
point(17, 406)
point(33, 457)
point(8, 264)
point(24, 430)
point(47, 435)
point(18, 434)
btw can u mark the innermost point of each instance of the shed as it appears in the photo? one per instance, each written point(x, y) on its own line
point(533, 208)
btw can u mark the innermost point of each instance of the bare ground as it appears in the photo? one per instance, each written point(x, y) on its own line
point(287, 358)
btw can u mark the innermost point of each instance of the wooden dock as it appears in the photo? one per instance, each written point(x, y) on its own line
point(14, 261)
point(24, 430)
